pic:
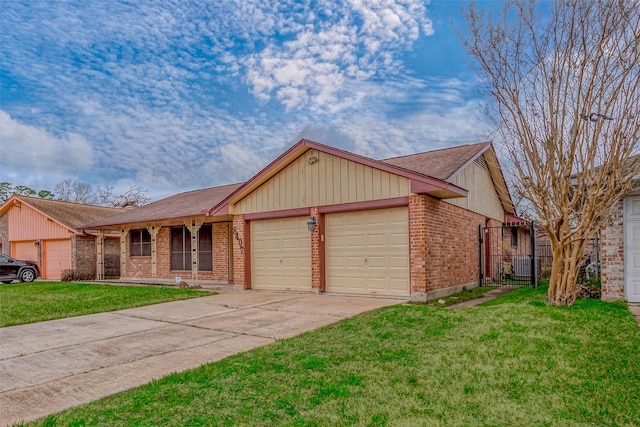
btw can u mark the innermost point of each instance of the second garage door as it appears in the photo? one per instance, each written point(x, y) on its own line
point(57, 258)
point(367, 252)
point(281, 254)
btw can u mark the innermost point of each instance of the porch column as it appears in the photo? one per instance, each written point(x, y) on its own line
point(124, 235)
point(194, 225)
point(240, 254)
point(100, 255)
point(153, 231)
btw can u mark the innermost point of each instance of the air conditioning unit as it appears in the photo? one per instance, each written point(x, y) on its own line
point(522, 267)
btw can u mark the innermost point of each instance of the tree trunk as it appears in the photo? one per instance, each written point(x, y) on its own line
point(564, 271)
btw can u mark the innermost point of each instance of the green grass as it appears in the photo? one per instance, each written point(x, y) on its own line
point(465, 295)
point(34, 302)
point(511, 362)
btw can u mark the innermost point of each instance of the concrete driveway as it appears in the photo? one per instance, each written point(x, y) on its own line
point(50, 366)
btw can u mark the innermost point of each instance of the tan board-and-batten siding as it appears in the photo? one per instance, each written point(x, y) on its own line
point(327, 180)
point(482, 197)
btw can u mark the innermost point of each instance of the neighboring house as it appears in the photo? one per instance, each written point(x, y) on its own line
point(620, 251)
point(47, 231)
point(406, 226)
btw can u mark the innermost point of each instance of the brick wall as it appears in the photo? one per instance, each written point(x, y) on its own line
point(612, 256)
point(163, 257)
point(239, 249)
point(315, 252)
point(221, 251)
point(5, 247)
point(418, 245)
point(83, 255)
point(451, 246)
point(140, 267)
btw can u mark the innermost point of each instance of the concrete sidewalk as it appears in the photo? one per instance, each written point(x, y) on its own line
point(635, 310)
point(50, 366)
point(477, 301)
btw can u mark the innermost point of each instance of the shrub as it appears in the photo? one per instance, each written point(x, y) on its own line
point(75, 276)
point(545, 272)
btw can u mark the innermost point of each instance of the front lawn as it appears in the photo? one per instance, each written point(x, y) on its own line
point(511, 362)
point(22, 303)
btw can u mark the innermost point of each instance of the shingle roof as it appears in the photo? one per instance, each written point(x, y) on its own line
point(182, 205)
point(438, 164)
point(441, 164)
point(71, 215)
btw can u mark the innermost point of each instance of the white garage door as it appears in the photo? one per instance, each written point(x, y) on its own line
point(632, 248)
point(367, 252)
point(281, 254)
point(56, 258)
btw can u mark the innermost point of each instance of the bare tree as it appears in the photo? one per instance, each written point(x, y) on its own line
point(75, 191)
point(134, 196)
point(565, 81)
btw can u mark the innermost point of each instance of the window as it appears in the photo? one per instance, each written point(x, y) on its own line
point(514, 236)
point(140, 243)
point(181, 248)
point(205, 248)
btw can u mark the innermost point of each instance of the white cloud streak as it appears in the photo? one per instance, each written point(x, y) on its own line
point(27, 149)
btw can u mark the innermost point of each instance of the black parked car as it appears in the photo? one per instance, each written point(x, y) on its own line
point(14, 269)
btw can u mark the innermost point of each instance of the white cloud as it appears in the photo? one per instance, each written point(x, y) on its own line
point(177, 94)
point(357, 41)
point(28, 149)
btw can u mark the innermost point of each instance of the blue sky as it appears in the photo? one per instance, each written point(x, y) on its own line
point(175, 95)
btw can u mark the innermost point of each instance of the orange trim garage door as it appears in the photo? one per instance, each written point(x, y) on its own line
point(367, 252)
point(25, 250)
point(56, 255)
point(281, 254)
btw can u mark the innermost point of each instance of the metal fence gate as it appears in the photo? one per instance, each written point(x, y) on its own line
point(507, 255)
point(589, 269)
